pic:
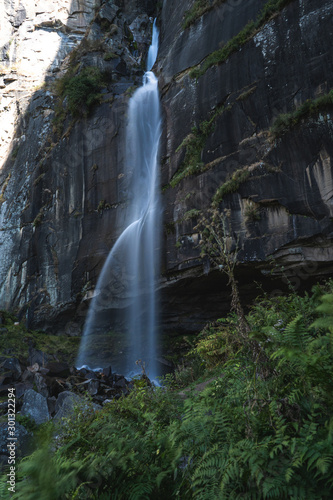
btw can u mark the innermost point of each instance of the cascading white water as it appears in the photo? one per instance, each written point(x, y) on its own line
point(130, 269)
point(153, 49)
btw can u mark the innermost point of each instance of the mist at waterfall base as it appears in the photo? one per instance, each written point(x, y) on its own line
point(125, 291)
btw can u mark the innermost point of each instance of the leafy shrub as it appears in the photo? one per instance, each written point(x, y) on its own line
point(264, 429)
point(83, 90)
point(122, 452)
point(217, 343)
point(18, 338)
point(27, 422)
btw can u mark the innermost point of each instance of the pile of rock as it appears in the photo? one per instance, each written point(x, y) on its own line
point(41, 383)
point(48, 389)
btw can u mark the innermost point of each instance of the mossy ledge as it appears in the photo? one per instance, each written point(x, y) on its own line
point(271, 8)
point(239, 177)
point(194, 143)
point(199, 8)
point(309, 109)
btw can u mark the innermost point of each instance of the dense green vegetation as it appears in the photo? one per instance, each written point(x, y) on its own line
point(246, 34)
point(309, 108)
point(262, 428)
point(82, 90)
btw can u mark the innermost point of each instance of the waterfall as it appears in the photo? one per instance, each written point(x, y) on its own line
point(128, 275)
point(153, 49)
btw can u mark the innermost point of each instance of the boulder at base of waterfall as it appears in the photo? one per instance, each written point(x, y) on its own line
point(35, 407)
point(67, 402)
point(57, 369)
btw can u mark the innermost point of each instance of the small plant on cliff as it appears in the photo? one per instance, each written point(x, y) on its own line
point(251, 211)
point(244, 95)
point(194, 142)
point(192, 214)
point(198, 9)
point(39, 218)
point(103, 205)
point(15, 152)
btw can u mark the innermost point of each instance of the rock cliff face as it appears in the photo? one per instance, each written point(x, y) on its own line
point(62, 182)
point(284, 207)
point(63, 193)
point(35, 38)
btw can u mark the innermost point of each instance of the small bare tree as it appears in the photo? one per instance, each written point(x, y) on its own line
point(218, 244)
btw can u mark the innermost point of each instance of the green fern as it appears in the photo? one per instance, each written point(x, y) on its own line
point(263, 429)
